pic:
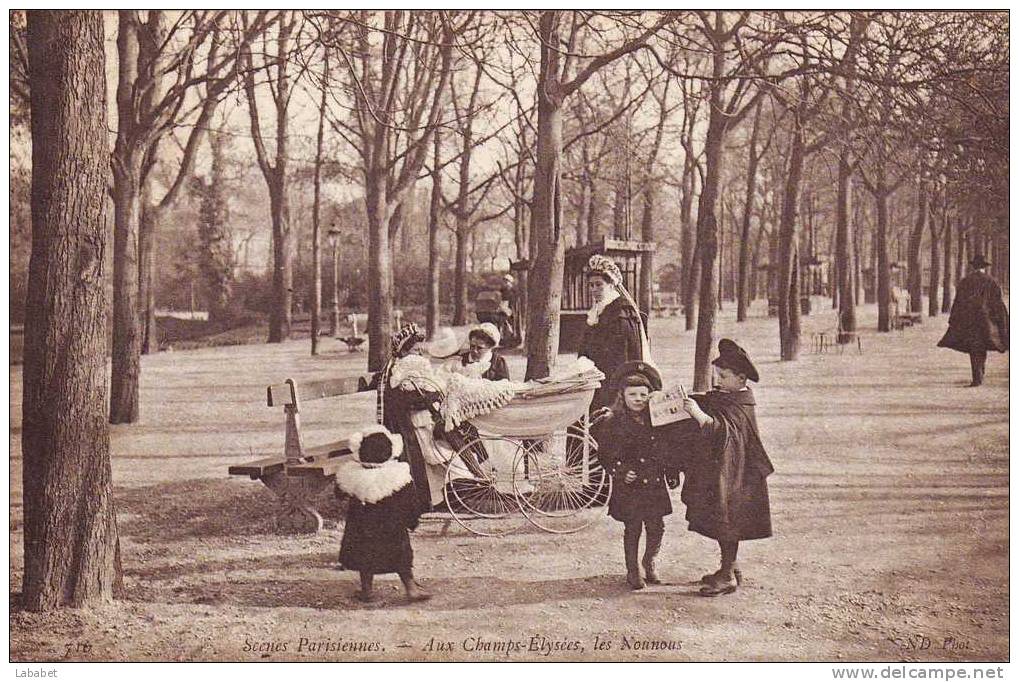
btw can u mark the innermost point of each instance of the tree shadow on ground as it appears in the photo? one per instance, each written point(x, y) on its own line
point(204, 508)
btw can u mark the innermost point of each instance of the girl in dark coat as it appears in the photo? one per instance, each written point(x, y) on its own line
point(383, 507)
point(726, 489)
point(979, 320)
point(629, 451)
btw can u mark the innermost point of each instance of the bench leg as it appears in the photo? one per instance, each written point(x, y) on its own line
point(296, 513)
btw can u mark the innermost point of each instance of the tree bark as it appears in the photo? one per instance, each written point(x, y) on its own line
point(707, 241)
point(127, 166)
point(151, 216)
point(789, 280)
point(915, 266)
point(946, 296)
point(884, 271)
point(316, 211)
point(844, 241)
point(743, 283)
point(463, 235)
point(432, 311)
point(691, 270)
point(70, 541)
point(544, 282)
point(933, 304)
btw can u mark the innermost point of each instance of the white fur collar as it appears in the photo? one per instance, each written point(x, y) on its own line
point(372, 485)
point(596, 310)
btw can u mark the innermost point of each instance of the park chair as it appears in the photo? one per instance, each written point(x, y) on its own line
point(821, 341)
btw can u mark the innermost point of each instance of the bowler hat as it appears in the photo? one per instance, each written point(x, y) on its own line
point(636, 373)
point(731, 356)
point(979, 261)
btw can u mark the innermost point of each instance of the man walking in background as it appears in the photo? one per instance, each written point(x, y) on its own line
point(979, 320)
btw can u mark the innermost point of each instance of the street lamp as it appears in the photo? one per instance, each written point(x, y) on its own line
point(334, 241)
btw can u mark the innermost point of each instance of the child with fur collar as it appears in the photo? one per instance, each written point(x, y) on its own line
point(383, 508)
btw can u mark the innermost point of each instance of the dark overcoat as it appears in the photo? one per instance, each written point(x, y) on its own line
point(628, 443)
point(375, 537)
point(725, 488)
point(615, 339)
point(979, 320)
point(399, 404)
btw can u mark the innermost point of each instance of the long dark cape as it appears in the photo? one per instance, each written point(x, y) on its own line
point(725, 488)
point(979, 319)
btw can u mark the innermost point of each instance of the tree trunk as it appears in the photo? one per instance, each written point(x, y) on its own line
point(70, 541)
point(380, 276)
point(946, 297)
point(283, 262)
point(691, 272)
point(707, 235)
point(544, 281)
point(432, 307)
point(884, 271)
point(960, 253)
point(844, 241)
point(463, 234)
point(127, 162)
point(742, 286)
point(151, 216)
point(316, 227)
point(915, 266)
point(933, 304)
point(647, 262)
point(788, 279)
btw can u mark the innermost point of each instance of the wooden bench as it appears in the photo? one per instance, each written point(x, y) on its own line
point(301, 474)
point(665, 304)
point(904, 320)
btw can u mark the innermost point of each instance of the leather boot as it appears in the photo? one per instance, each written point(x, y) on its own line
point(977, 361)
point(631, 540)
point(654, 543)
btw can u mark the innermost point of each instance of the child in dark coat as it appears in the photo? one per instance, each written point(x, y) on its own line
point(726, 488)
point(383, 507)
point(630, 452)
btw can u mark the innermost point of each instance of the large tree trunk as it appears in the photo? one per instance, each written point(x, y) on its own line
point(283, 262)
point(946, 297)
point(544, 282)
point(844, 242)
point(707, 237)
point(70, 541)
point(788, 281)
point(380, 276)
point(915, 266)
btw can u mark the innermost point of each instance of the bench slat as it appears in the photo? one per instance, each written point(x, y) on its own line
point(258, 468)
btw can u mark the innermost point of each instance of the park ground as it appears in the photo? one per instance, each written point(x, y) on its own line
point(890, 507)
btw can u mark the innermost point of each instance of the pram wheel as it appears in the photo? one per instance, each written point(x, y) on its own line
point(479, 488)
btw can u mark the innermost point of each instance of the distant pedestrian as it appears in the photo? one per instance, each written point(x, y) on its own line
point(383, 508)
point(979, 320)
point(726, 467)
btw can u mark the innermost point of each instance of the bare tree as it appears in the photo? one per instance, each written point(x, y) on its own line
point(71, 543)
point(278, 78)
point(547, 240)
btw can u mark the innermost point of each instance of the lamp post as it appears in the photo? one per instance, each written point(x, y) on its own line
point(334, 241)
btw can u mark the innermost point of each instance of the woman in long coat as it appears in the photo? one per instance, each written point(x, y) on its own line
point(979, 320)
point(397, 405)
point(614, 333)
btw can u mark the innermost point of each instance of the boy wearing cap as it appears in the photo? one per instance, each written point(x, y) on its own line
point(383, 507)
point(630, 452)
point(726, 489)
